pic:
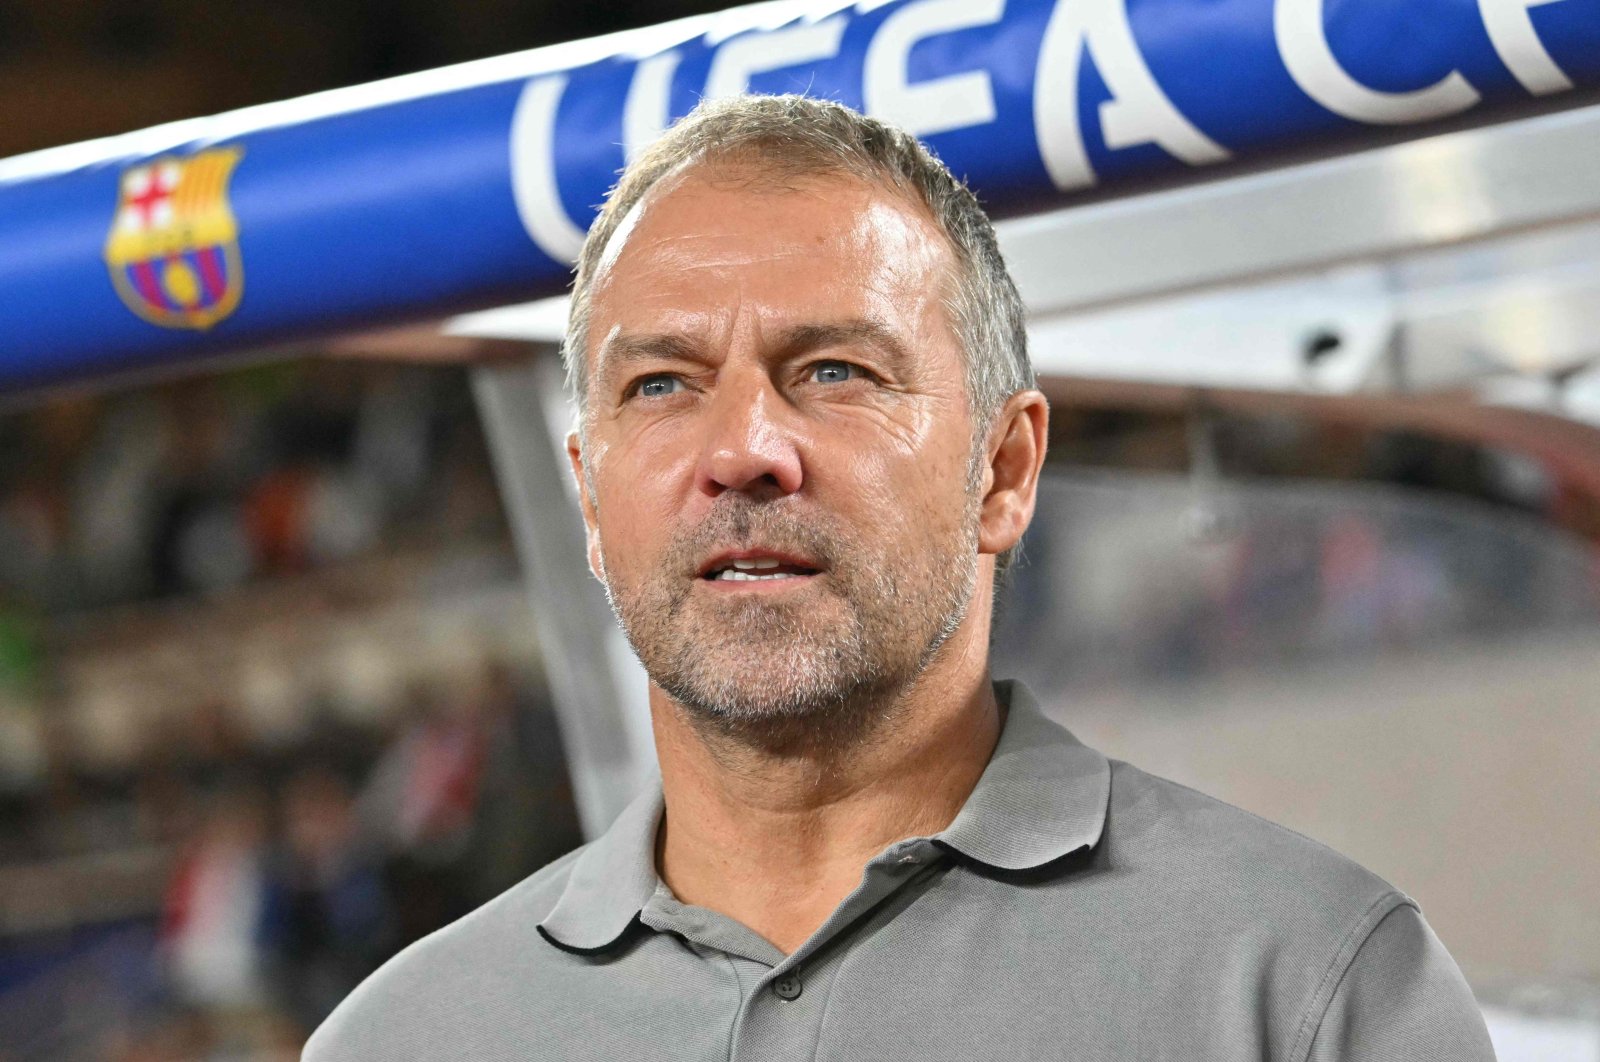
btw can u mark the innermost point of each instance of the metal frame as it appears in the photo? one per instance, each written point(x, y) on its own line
point(1371, 206)
point(597, 684)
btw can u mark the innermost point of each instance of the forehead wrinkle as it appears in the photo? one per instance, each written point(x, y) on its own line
point(894, 233)
point(683, 252)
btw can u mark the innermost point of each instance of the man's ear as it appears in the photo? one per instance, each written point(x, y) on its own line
point(591, 524)
point(1015, 452)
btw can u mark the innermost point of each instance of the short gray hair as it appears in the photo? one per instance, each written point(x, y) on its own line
point(797, 135)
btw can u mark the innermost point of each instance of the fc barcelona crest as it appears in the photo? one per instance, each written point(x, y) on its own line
point(173, 251)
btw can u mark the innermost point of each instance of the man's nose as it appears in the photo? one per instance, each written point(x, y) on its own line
point(749, 445)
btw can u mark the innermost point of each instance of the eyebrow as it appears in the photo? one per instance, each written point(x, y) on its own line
point(664, 346)
point(626, 348)
point(859, 331)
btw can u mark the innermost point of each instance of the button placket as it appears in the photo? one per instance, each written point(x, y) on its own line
point(787, 987)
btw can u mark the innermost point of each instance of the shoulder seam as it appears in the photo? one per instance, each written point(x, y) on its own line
point(1276, 827)
point(1343, 958)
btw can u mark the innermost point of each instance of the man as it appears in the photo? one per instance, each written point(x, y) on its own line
point(809, 440)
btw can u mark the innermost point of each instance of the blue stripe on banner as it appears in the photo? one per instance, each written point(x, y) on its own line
point(471, 187)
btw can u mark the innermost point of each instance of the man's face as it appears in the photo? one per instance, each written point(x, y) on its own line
point(778, 455)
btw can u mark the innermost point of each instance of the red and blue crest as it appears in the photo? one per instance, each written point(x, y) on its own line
point(173, 250)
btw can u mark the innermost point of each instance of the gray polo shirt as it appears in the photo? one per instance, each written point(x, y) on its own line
point(1077, 908)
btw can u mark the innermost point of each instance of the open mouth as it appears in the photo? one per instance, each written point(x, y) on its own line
point(757, 569)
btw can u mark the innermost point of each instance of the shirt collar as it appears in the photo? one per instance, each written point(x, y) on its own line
point(610, 882)
point(1042, 797)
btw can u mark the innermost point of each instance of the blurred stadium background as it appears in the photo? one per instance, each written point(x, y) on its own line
point(272, 702)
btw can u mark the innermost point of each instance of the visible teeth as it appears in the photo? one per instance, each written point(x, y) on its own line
point(755, 565)
point(745, 577)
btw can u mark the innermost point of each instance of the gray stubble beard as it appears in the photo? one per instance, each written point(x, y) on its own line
point(760, 675)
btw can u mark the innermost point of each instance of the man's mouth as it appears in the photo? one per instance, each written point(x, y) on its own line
point(756, 566)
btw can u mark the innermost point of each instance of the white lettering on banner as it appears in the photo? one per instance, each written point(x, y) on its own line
point(533, 170)
point(1513, 36)
point(1138, 111)
point(743, 57)
point(1303, 40)
point(938, 104)
point(648, 109)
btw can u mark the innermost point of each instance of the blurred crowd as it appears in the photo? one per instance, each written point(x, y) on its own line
point(199, 487)
point(264, 719)
point(266, 880)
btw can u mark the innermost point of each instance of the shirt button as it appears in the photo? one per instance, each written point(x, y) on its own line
point(787, 987)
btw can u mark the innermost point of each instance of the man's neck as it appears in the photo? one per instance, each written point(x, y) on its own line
point(777, 839)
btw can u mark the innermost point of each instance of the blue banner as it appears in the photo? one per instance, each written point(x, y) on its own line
point(472, 186)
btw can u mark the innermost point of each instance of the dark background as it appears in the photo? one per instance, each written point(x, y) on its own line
point(71, 70)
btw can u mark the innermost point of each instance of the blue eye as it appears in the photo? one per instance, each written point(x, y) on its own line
point(834, 372)
point(658, 386)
